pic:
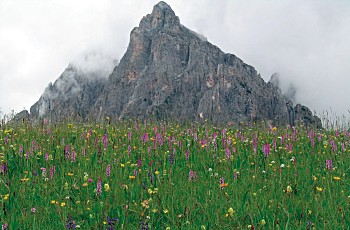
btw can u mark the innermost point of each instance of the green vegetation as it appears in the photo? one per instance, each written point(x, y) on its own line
point(137, 175)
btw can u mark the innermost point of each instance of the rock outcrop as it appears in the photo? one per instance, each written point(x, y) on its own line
point(171, 72)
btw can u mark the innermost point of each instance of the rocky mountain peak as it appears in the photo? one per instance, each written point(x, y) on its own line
point(162, 17)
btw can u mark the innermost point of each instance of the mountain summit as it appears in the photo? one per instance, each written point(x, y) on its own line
point(171, 72)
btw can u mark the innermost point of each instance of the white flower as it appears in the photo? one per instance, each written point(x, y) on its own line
point(282, 166)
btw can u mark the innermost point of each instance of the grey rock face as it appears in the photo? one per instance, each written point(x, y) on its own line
point(73, 93)
point(170, 72)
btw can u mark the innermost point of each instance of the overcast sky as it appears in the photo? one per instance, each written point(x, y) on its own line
point(307, 42)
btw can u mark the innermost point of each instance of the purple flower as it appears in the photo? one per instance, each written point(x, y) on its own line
point(105, 141)
point(139, 163)
point(83, 152)
point(192, 175)
point(329, 164)
point(73, 156)
point(52, 171)
point(111, 222)
point(108, 170)
point(4, 226)
point(228, 153)
point(187, 154)
point(99, 187)
point(70, 223)
point(3, 168)
point(266, 150)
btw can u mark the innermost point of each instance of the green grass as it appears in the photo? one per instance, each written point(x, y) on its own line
point(149, 183)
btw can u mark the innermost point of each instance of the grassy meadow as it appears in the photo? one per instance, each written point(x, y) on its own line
point(148, 175)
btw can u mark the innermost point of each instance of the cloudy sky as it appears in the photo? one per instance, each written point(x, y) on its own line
point(307, 42)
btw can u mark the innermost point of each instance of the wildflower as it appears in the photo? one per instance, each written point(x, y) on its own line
point(314, 178)
point(231, 211)
point(223, 185)
point(33, 210)
point(132, 177)
point(70, 223)
point(122, 165)
point(329, 164)
point(192, 175)
point(289, 189)
point(65, 186)
point(336, 178)
point(263, 222)
point(6, 196)
point(108, 170)
point(165, 211)
point(99, 188)
point(111, 222)
point(319, 189)
point(154, 210)
point(70, 174)
point(89, 180)
point(156, 172)
point(266, 150)
point(106, 187)
point(73, 156)
point(309, 212)
point(145, 204)
point(63, 204)
point(282, 166)
point(24, 179)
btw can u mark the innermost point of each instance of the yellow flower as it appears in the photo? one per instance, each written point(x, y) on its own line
point(231, 211)
point(165, 211)
point(132, 177)
point(314, 178)
point(107, 188)
point(263, 222)
point(70, 174)
point(63, 204)
point(289, 189)
point(309, 212)
point(6, 196)
point(319, 189)
point(145, 204)
point(24, 179)
point(336, 178)
point(53, 202)
point(122, 165)
point(156, 172)
point(85, 184)
point(154, 210)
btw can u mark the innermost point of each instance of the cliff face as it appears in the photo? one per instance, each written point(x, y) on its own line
point(170, 72)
